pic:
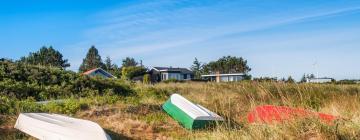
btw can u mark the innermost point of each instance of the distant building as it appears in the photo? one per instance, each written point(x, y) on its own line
point(158, 74)
point(232, 77)
point(319, 80)
point(99, 72)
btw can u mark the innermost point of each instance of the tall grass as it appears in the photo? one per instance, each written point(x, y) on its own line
point(140, 116)
point(234, 100)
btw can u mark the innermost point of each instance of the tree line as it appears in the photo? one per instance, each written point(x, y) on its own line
point(48, 56)
point(224, 65)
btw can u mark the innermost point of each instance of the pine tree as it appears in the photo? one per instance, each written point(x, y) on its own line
point(196, 68)
point(290, 80)
point(303, 79)
point(108, 64)
point(92, 60)
point(129, 62)
point(46, 56)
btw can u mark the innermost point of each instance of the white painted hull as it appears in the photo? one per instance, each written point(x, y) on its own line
point(46, 126)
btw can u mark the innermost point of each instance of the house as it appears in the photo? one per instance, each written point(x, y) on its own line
point(319, 80)
point(158, 74)
point(232, 77)
point(99, 72)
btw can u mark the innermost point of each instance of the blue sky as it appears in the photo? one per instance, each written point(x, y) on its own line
point(278, 38)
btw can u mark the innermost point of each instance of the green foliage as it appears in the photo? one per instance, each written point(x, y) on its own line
point(196, 68)
point(28, 105)
point(146, 79)
point(303, 79)
point(157, 117)
point(92, 60)
point(228, 64)
point(7, 105)
point(46, 56)
point(21, 81)
point(290, 80)
point(112, 68)
point(129, 62)
point(14, 106)
point(127, 73)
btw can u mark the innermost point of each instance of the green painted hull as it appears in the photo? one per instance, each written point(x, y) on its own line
point(185, 120)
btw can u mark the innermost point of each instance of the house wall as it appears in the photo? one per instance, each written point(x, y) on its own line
point(177, 76)
point(319, 80)
point(157, 76)
point(226, 78)
point(232, 78)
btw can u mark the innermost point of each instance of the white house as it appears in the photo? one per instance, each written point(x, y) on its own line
point(232, 77)
point(319, 80)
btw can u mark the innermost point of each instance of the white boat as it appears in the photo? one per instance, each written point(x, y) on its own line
point(46, 126)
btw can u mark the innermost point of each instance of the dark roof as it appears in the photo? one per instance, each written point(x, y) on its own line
point(182, 70)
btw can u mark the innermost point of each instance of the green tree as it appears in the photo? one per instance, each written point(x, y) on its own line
point(108, 64)
point(46, 56)
point(196, 68)
point(227, 64)
point(111, 67)
point(127, 73)
point(129, 62)
point(303, 79)
point(92, 60)
point(290, 80)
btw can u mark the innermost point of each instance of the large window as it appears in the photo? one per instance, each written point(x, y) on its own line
point(176, 76)
point(224, 78)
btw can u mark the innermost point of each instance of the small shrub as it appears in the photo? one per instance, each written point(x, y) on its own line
point(28, 105)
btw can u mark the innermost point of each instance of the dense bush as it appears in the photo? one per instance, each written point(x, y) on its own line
point(130, 72)
point(12, 106)
point(21, 81)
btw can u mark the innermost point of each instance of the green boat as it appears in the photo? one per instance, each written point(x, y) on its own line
point(190, 115)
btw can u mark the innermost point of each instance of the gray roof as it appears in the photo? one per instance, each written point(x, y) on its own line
point(182, 70)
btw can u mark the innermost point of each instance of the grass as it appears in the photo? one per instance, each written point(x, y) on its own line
point(140, 116)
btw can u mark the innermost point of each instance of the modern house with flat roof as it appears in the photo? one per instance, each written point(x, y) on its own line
point(99, 72)
point(319, 80)
point(232, 77)
point(158, 74)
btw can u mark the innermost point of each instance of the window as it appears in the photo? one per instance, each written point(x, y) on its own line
point(224, 78)
point(163, 76)
point(232, 78)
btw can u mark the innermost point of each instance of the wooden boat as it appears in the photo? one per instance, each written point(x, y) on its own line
point(46, 126)
point(270, 114)
point(188, 114)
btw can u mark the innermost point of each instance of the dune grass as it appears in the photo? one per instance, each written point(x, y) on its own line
point(140, 116)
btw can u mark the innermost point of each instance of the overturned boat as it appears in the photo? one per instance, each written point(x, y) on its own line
point(188, 114)
point(270, 114)
point(46, 126)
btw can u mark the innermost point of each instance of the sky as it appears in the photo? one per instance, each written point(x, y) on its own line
point(278, 38)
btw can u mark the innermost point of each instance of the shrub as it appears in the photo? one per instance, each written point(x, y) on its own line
point(43, 83)
point(127, 73)
point(146, 79)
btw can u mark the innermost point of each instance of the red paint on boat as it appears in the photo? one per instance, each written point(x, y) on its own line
point(270, 114)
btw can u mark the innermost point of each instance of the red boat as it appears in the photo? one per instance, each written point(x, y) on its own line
point(270, 114)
